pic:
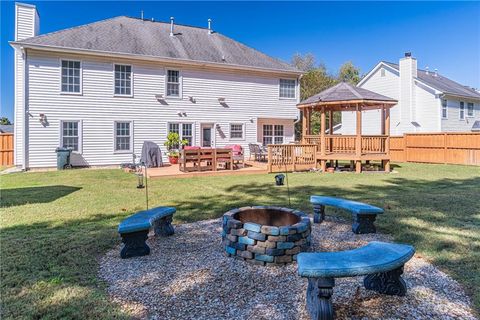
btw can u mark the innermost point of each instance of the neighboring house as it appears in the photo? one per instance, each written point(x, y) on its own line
point(106, 87)
point(6, 128)
point(427, 101)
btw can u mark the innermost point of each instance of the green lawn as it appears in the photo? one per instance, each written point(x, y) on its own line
point(55, 225)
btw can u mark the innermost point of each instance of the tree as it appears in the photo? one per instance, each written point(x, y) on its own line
point(304, 63)
point(4, 120)
point(349, 73)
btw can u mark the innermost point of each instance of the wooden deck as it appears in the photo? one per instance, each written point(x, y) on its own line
point(169, 171)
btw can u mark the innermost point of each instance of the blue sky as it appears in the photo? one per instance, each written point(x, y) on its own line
point(443, 35)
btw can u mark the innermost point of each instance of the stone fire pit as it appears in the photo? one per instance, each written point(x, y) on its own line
point(266, 235)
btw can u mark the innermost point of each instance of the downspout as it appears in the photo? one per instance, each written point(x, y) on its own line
point(25, 106)
point(298, 101)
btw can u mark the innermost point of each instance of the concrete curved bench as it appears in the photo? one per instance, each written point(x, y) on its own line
point(364, 215)
point(134, 230)
point(382, 264)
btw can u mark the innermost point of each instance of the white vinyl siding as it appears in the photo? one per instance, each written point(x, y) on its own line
point(237, 131)
point(287, 88)
point(123, 136)
point(251, 96)
point(71, 81)
point(123, 80)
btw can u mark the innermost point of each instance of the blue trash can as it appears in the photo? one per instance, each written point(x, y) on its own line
point(63, 158)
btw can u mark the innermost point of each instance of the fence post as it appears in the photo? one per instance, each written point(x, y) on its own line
point(445, 137)
point(269, 148)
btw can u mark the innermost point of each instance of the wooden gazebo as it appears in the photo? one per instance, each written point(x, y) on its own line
point(355, 148)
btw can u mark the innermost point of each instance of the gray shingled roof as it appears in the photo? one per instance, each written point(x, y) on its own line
point(6, 128)
point(144, 37)
point(346, 92)
point(441, 83)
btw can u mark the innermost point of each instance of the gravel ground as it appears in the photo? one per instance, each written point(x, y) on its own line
point(187, 276)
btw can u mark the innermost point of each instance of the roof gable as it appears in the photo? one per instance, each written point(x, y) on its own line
point(127, 35)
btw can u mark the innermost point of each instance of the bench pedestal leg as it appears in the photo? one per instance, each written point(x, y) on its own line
point(390, 282)
point(318, 213)
point(319, 298)
point(135, 245)
point(363, 223)
point(163, 227)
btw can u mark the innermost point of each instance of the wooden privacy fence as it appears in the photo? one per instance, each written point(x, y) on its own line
point(451, 148)
point(6, 149)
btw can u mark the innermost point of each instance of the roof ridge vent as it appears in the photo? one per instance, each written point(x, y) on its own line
point(426, 70)
point(171, 26)
point(210, 31)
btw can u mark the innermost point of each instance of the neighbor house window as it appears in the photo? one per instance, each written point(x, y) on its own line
point(272, 134)
point(236, 131)
point(70, 135)
point(123, 136)
point(287, 88)
point(184, 130)
point(462, 110)
point(444, 109)
point(123, 80)
point(470, 109)
point(70, 76)
point(173, 83)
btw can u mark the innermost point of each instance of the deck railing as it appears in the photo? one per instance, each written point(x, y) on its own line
point(340, 144)
point(346, 144)
point(374, 144)
point(291, 157)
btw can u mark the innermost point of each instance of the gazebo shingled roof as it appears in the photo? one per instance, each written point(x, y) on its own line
point(345, 92)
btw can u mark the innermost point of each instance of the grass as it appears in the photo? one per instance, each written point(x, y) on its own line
point(55, 225)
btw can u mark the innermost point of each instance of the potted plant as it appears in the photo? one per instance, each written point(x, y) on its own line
point(173, 143)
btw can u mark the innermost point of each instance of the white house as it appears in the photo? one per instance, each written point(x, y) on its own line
point(427, 101)
point(106, 87)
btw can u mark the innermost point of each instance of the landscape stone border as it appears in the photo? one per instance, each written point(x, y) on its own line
point(264, 244)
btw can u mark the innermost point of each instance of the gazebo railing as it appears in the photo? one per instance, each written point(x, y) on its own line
point(347, 143)
point(340, 143)
point(374, 144)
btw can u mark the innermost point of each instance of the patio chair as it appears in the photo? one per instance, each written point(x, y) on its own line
point(237, 154)
point(260, 152)
point(224, 156)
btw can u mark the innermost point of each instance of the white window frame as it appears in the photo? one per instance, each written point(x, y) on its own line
point(460, 110)
point(442, 108)
point(80, 135)
point(81, 78)
point(131, 80)
point(273, 135)
point(230, 131)
point(294, 91)
point(473, 110)
point(180, 129)
point(180, 84)
point(115, 137)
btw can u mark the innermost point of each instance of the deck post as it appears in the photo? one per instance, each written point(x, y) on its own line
point(330, 133)
point(322, 139)
point(358, 140)
point(269, 149)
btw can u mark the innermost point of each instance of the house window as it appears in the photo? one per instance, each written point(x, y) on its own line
point(382, 72)
point(123, 136)
point(70, 76)
point(470, 109)
point(272, 134)
point(444, 109)
point(287, 88)
point(123, 80)
point(184, 130)
point(71, 135)
point(173, 83)
point(236, 131)
point(462, 110)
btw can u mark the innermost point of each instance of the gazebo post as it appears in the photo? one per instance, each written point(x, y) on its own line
point(330, 133)
point(387, 142)
point(322, 139)
point(358, 140)
point(304, 125)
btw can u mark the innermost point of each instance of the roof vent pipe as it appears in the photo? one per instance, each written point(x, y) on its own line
point(436, 72)
point(171, 26)
point(209, 26)
point(408, 54)
point(426, 70)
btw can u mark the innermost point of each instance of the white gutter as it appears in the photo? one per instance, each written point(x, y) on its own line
point(151, 58)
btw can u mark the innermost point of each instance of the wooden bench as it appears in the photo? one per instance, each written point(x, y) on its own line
point(364, 215)
point(134, 230)
point(382, 264)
